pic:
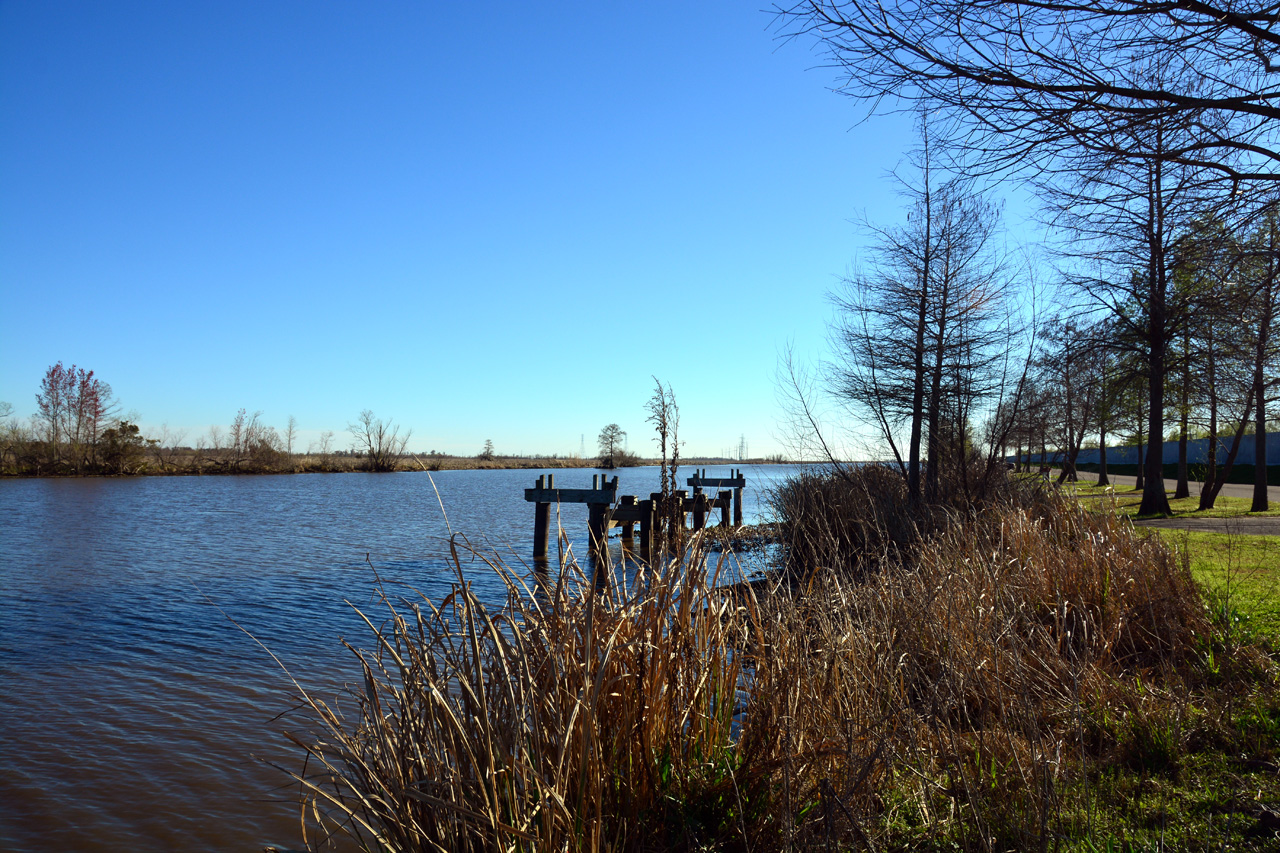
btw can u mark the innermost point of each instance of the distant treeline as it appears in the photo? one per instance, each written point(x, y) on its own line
point(78, 430)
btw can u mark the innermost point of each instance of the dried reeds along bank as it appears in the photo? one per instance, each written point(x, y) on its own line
point(966, 692)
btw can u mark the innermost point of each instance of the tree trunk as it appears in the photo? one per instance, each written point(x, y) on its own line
point(1211, 453)
point(1153, 498)
point(1211, 459)
point(1141, 468)
point(1260, 502)
point(1210, 493)
point(1183, 489)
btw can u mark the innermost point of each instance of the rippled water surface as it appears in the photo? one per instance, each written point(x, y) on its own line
point(136, 707)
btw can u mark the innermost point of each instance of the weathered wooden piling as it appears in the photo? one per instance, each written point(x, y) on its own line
point(699, 509)
point(542, 518)
point(599, 498)
point(605, 508)
point(625, 503)
point(648, 525)
point(735, 481)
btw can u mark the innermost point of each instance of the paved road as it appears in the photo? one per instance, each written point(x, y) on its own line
point(1249, 526)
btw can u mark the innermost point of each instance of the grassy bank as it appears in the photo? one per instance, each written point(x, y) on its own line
point(1125, 501)
point(1240, 573)
point(1015, 675)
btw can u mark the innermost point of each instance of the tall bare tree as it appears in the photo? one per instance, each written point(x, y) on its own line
point(379, 440)
point(917, 326)
point(1070, 369)
point(73, 408)
point(1261, 274)
point(664, 414)
point(1126, 221)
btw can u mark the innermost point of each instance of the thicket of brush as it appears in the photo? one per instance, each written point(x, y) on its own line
point(965, 694)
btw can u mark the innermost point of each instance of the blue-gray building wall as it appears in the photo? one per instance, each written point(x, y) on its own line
point(1197, 452)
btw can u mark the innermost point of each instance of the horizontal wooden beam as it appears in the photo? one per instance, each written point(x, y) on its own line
point(571, 496)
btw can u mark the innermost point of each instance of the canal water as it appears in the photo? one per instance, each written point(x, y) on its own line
point(137, 700)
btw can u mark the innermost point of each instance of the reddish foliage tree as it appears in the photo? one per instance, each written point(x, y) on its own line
point(73, 406)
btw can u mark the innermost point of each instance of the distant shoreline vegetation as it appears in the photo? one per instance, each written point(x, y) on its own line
point(78, 430)
point(154, 460)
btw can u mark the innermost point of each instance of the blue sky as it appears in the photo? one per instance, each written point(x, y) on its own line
point(482, 221)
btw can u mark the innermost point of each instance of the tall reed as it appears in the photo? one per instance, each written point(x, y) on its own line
point(957, 697)
point(579, 716)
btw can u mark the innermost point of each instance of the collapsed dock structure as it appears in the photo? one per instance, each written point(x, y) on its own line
point(656, 515)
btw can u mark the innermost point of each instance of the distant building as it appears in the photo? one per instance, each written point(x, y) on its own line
point(1197, 452)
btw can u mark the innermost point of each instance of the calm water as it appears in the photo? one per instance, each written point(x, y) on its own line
point(134, 713)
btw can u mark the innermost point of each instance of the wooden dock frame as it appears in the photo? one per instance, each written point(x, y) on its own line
point(605, 509)
point(599, 498)
point(735, 481)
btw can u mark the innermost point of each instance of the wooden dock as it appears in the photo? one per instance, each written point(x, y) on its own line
point(605, 509)
point(735, 481)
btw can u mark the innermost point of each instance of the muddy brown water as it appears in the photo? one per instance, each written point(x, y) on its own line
point(135, 708)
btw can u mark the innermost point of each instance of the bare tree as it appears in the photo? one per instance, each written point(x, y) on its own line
point(379, 440)
point(1127, 222)
point(1021, 80)
point(918, 328)
point(664, 414)
point(610, 443)
point(15, 441)
point(252, 443)
point(73, 407)
point(164, 448)
point(1070, 370)
point(1261, 272)
point(325, 448)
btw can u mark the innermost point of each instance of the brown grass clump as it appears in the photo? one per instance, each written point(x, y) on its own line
point(958, 697)
point(577, 717)
point(973, 677)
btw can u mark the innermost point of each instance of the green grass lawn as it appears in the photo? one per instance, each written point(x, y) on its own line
point(1241, 577)
point(1226, 764)
point(1126, 501)
point(1239, 572)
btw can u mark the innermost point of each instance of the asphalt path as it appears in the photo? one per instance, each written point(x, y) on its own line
point(1256, 526)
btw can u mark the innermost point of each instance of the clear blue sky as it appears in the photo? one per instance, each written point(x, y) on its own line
point(485, 221)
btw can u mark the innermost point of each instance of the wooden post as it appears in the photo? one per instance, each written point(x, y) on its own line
point(541, 527)
point(646, 526)
point(723, 499)
point(737, 501)
point(699, 509)
point(677, 509)
point(629, 527)
point(597, 525)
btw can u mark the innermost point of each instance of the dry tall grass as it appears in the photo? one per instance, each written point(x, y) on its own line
point(959, 697)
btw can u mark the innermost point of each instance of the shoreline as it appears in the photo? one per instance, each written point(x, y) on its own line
point(191, 467)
